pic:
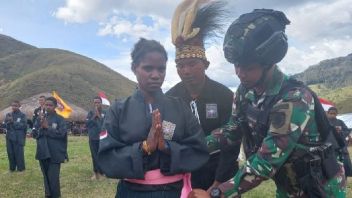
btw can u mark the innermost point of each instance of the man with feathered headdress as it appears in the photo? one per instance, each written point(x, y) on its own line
point(211, 102)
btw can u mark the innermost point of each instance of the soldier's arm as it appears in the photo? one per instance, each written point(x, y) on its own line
point(229, 134)
point(289, 118)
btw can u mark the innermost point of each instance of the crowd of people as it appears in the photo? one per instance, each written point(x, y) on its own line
point(186, 142)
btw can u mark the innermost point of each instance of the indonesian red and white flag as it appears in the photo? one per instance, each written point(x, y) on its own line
point(103, 134)
point(104, 99)
point(326, 104)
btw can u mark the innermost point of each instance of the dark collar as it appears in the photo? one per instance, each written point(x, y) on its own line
point(138, 95)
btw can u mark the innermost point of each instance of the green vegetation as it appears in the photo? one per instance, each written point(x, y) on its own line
point(331, 79)
point(26, 71)
point(341, 97)
point(75, 175)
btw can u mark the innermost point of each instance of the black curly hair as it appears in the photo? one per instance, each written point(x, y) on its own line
point(144, 46)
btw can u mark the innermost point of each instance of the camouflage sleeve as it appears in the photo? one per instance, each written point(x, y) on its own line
point(228, 134)
point(289, 118)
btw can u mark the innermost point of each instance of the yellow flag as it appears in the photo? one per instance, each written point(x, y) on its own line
point(62, 107)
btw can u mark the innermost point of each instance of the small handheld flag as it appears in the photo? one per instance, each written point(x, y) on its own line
point(104, 99)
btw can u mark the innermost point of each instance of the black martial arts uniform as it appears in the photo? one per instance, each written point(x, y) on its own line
point(51, 151)
point(128, 123)
point(16, 129)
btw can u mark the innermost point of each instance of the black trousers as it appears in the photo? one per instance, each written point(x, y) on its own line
point(94, 147)
point(51, 174)
point(15, 154)
point(204, 177)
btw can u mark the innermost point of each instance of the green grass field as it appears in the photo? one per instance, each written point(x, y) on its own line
point(75, 175)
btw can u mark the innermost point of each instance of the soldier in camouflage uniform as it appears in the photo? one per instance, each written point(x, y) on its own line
point(275, 117)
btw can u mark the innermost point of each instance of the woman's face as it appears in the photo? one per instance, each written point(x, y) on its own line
point(150, 72)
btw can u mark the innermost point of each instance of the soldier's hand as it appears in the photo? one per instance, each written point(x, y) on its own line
point(198, 193)
point(214, 185)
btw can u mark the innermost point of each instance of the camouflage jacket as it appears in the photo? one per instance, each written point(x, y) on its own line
point(291, 125)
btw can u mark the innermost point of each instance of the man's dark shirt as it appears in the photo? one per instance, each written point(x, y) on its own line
point(214, 106)
point(214, 96)
point(37, 113)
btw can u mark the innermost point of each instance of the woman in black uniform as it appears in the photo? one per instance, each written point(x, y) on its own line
point(151, 141)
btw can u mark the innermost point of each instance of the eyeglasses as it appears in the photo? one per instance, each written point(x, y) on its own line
point(194, 109)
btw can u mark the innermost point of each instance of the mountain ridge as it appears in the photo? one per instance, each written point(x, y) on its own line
point(26, 71)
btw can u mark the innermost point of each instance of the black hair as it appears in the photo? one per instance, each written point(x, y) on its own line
point(42, 96)
point(144, 46)
point(16, 101)
point(98, 97)
point(210, 20)
point(52, 99)
point(332, 109)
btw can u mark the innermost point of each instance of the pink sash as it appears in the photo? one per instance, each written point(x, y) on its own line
point(155, 177)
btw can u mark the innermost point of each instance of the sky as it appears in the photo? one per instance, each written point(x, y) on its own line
point(106, 30)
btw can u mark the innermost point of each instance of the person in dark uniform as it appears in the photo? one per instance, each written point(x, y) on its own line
point(51, 135)
point(39, 110)
point(151, 141)
point(342, 130)
point(210, 101)
point(94, 123)
point(16, 127)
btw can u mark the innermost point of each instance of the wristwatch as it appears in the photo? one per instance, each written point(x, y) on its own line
point(215, 192)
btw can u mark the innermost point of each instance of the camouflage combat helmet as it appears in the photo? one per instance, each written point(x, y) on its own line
point(257, 37)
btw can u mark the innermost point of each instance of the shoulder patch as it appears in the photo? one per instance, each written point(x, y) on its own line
point(280, 118)
point(293, 95)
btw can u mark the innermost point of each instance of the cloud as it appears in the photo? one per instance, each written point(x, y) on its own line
point(80, 11)
point(316, 21)
point(219, 68)
point(319, 30)
point(298, 59)
point(125, 26)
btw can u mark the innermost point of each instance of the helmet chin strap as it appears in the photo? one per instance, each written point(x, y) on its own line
point(263, 76)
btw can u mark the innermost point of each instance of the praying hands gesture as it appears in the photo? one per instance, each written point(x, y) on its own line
point(155, 139)
point(97, 114)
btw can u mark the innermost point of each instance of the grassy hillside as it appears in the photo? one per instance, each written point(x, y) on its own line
point(75, 176)
point(341, 97)
point(331, 79)
point(77, 79)
point(9, 46)
point(333, 73)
